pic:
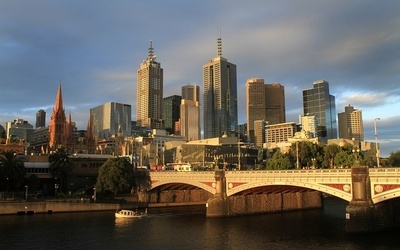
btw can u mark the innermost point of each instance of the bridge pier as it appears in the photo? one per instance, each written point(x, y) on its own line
point(222, 206)
point(217, 206)
point(362, 215)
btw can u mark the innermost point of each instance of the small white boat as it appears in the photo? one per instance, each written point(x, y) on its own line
point(124, 213)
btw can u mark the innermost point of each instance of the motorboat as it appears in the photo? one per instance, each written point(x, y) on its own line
point(124, 213)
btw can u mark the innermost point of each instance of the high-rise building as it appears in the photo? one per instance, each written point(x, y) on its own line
point(58, 121)
point(41, 119)
point(320, 103)
point(171, 112)
point(107, 118)
point(150, 93)
point(19, 130)
point(220, 96)
point(190, 113)
point(275, 103)
point(351, 124)
point(264, 102)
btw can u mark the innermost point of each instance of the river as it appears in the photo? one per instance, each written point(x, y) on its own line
point(188, 228)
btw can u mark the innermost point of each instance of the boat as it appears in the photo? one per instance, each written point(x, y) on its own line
point(124, 213)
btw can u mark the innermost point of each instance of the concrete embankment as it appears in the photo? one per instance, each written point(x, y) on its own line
point(53, 207)
point(7, 208)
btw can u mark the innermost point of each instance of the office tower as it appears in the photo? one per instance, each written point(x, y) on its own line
point(220, 96)
point(18, 130)
point(58, 121)
point(171, 112)
point(351, 124)
point(264, 102)
point(319, 103)
point(41, 119)
point(275, 103)
point(107, 118)
point(150, 92)
point(190, 113)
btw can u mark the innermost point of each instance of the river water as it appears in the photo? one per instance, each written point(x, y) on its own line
point(188, 228)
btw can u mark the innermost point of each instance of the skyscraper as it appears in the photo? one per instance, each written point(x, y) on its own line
point(190, 113)
point(109, 117)
point(319, 103)
point(150, 92)
point(351, 124)
point(171, 112)
point(265, 102)
point(220, 96)
point(41, 119)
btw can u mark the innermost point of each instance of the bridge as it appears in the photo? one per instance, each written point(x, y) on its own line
point(384, 182)
point(371, 192)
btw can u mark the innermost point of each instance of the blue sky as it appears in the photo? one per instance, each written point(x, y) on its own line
point(95, 48)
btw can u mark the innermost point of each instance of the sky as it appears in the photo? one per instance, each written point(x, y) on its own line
point(94, 48)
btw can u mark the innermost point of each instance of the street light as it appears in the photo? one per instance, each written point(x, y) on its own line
point(376, 143)
point(26, 192)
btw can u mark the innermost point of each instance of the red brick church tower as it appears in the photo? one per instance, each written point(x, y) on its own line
point(57, 127)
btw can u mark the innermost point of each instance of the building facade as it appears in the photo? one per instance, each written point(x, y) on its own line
point(351, 124)
point(320, 103)
point(264, 102)
point(19, 129)
point(190, 113)
point(171, 112)
point(149, 105)
point(108, 118)
point(220, 96)
point(41, 119)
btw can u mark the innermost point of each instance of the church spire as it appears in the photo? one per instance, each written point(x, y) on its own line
point(59, 102)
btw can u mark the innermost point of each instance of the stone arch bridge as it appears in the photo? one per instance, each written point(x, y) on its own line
point(384, 182)
point(371, 192)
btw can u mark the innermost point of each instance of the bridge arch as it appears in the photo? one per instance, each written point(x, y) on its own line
point(311, 186)
point(203, 186)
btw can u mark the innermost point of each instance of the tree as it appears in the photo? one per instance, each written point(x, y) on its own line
point(394, 159)
point(330, 151)
point(11, 168)
point(279, 161)
point(116, 176)
point(60, 165)
point(344, 159)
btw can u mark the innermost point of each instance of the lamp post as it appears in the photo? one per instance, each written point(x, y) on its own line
point(297, 155)
point(26, 192)
point(376, 143)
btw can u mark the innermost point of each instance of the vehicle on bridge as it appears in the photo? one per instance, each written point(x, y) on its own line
point(179, 167)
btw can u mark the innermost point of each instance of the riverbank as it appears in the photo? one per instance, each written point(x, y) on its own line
point(71, 206)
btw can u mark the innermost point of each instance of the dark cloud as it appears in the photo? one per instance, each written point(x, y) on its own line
point(95, 48)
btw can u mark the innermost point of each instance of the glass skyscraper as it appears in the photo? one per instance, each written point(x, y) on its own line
point(319, 103)
point(108, 118)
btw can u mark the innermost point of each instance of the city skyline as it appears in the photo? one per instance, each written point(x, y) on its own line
point(353, 46)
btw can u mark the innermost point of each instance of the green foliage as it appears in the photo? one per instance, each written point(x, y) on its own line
point(116, 175)
point(279, 161)
point(344, 159)
point(60, 165)
point(11, 168)
point(394, 159)
point(330, 152)
point(369, 159)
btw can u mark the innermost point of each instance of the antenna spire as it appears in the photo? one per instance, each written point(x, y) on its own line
point(219, 46)
point(151, 55)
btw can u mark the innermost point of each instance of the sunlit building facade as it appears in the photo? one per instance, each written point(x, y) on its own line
point(220, 97)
